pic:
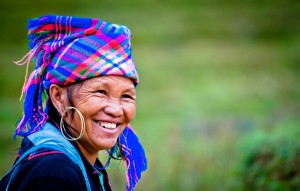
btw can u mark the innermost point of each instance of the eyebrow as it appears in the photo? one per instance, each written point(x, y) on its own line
point(100, 82)
point(130, 89)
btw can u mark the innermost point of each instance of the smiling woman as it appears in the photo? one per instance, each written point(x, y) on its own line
point(107, 104)
point(79, 100)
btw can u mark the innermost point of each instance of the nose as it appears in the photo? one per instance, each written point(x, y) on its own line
point(113, 108)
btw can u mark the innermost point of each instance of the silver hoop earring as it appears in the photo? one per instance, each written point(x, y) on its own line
point(62, 126)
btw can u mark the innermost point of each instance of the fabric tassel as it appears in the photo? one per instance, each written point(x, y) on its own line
point(134, 153)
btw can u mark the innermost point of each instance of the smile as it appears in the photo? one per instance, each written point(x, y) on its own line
point(107, 125)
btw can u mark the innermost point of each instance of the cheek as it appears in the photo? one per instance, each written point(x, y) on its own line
point(130, 110)
point(90, 105)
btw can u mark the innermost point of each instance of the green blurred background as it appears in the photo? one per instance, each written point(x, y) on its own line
point(215, 74)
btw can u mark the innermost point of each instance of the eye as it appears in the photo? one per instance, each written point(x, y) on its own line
point(128, 96)
point(101, 92)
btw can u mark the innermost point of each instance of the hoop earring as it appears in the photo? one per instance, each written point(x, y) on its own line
point(63, 129)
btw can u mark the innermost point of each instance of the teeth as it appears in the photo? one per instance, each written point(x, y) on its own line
point(108, 125)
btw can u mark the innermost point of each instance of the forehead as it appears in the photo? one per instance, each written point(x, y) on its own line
point(119, 82)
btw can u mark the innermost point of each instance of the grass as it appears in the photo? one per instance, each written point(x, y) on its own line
point(211, 73)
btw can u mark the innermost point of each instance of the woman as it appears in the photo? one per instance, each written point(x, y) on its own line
point(80, 99)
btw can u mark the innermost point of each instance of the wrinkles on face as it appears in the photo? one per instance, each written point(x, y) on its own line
point(83, 93)
point(105, 102)
point(101, 88)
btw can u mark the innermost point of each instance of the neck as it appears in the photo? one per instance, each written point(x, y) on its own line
point(90, 156)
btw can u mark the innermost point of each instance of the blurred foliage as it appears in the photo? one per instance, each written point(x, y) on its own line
point(212, 72)
point(271, 162)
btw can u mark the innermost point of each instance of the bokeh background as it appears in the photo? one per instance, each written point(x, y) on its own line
point(219, 79)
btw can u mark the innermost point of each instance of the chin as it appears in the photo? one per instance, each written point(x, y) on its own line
point(108, 144)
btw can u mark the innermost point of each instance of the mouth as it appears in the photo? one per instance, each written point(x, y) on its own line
point(107, 125)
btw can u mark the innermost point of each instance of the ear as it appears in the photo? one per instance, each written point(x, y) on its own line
point(58, 96)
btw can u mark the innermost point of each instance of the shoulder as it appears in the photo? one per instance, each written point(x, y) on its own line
point(48, 170)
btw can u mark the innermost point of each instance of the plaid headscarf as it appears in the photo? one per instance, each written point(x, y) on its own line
point(71, 49)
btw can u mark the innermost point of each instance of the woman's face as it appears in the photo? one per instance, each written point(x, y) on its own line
point(107, 104)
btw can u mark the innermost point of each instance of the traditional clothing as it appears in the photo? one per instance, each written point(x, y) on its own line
point(69, 50)
point(47, 161)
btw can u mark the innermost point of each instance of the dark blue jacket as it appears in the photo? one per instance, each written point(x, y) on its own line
point(48, 170)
